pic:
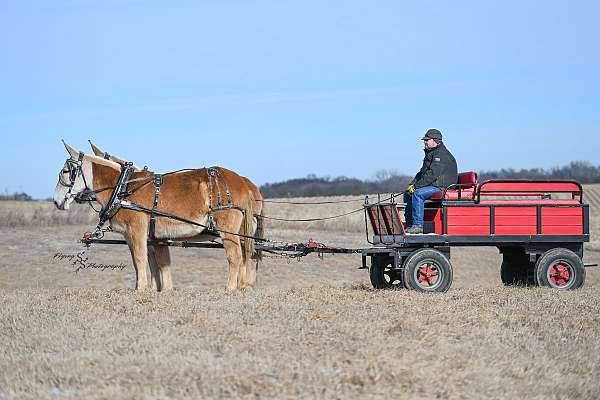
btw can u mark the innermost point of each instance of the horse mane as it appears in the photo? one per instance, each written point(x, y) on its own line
point(102, 161)
point(108, 163)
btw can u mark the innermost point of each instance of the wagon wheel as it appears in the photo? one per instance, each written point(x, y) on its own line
point(383, 276)
point(428, 270)
point(517, 270)
point(560, 269)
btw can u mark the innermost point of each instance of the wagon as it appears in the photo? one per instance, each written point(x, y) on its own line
point(539, 227)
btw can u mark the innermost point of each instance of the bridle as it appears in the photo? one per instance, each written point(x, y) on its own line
point(74, 168)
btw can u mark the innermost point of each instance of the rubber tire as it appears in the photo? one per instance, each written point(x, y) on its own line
point(377, 273)
point(416, 259)
point(549, 258)
point(517, 270)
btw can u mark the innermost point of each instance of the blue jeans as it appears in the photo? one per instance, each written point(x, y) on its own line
point(415, 205)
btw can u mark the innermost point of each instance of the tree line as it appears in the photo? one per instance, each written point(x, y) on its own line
point(21, 196)
point(391, 181)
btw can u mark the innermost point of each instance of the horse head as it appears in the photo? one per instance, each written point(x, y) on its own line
point(74, 178)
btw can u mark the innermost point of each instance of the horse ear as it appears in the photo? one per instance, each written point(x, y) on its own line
point(97, 151)
point(74, 153)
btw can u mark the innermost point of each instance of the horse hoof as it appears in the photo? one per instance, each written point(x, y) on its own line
point(247, 288)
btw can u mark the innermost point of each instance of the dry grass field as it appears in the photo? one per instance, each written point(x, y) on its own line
point(311, 329)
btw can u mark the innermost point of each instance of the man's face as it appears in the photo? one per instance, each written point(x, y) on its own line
point(430, 143)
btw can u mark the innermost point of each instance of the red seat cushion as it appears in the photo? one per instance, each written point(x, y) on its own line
point(452, 194)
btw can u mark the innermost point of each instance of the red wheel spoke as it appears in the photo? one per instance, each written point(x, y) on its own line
point(560, 274)
point(427, 274)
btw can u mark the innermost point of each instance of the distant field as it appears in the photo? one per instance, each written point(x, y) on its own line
point(592, 197)
point(311, 329)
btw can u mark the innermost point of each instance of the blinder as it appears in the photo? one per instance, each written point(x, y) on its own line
point(73, 168)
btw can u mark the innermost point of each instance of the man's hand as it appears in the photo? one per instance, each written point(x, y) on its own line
point(411, 189)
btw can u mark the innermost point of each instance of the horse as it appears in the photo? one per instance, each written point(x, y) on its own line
point(184, 194)
point(162, 254)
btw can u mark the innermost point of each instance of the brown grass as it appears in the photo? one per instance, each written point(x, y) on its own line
point(308, 342)
point(313, 329)
point(37, 214)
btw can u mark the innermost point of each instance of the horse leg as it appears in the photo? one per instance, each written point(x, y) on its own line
point(155, 283)
point(251, 268)
point(243, 274)
point(163, 259)
point(234, 258)
point(139, 254)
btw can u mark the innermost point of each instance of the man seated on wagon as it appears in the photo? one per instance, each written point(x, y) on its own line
point(439, 170)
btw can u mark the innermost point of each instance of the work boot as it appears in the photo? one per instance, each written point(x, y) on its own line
point(414, 230)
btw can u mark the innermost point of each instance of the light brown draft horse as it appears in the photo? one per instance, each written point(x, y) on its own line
point(159, 256)
point(184, 194)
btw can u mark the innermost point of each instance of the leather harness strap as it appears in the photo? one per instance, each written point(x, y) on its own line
point(158, 181)
point(214, 178)
point(119, 193)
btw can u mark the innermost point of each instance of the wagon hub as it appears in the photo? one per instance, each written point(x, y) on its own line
point(427, 274)
point(560, 274)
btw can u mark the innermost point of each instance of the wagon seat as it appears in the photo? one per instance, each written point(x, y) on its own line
point(464, 189)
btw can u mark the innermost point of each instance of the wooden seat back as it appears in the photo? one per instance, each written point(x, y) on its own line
point(385, 219)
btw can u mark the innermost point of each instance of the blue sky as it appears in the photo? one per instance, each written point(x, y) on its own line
point(276, 89)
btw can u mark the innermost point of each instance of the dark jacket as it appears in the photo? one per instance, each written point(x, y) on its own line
point(439, 169)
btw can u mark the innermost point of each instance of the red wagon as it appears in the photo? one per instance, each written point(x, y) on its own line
point(538, 226)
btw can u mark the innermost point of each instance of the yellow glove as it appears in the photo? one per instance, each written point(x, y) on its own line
point(411, 189)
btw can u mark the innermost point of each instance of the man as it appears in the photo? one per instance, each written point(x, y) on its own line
point(439, 170)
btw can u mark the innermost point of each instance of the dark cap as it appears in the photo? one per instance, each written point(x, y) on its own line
point(433, 134)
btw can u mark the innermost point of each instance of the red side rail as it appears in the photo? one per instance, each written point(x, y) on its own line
point(523, 187)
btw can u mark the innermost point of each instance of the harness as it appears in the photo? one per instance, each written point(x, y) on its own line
point(118, 195)
point(214, 177)
point(118, 200)
point(158, 181)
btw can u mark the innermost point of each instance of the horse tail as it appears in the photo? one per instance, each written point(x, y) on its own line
point(260, 232)
point(248, 248)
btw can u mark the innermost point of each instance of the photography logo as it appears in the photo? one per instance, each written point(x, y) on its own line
point(80, 262)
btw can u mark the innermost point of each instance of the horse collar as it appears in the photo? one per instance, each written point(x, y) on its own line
point(119, 193)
